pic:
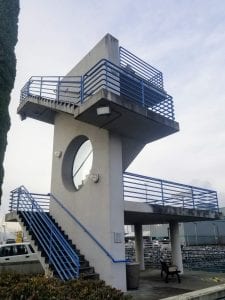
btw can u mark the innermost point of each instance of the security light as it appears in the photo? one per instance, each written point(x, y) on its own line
point(103, 110)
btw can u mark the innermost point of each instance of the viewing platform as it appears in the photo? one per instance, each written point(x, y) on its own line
point(128, 98)
point(151, 200)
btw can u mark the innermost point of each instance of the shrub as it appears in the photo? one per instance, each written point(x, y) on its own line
point(24, 287)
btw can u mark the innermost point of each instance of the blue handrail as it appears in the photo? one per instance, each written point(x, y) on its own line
point(45, 200)
point(59, 252)
point(167, 193)
point(134, 86)
point(140, 67)
point(75, 219)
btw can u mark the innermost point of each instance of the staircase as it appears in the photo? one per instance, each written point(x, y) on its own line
point(57, 254)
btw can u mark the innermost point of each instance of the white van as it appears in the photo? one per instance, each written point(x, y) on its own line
point(19, 257)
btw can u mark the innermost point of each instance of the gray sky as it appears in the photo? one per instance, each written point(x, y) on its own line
point(185, 39)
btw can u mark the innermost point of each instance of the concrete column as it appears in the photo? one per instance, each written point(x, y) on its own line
point(175, 245)
point(139, 248)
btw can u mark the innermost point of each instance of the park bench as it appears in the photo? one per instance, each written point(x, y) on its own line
point(169, 270)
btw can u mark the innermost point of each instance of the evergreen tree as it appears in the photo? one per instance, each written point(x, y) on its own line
point(9, 10)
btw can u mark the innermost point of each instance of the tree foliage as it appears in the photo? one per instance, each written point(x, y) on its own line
point(9, 10)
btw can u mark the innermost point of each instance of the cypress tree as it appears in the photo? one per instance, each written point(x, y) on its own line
point(9, 10)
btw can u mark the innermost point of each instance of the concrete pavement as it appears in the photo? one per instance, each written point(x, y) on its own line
point(152, 287)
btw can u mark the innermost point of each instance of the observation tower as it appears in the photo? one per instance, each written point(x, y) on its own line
point(104, 111)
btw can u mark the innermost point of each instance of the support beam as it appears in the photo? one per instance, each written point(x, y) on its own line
point(139, 248)
point(175, 245)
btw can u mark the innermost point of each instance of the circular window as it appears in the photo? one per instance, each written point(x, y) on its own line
point(82, 164)
point(77, 163)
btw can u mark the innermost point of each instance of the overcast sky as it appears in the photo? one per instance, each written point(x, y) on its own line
point(185, 39)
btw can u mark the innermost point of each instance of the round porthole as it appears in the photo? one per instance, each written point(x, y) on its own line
point(77, 163)
point(82, 164)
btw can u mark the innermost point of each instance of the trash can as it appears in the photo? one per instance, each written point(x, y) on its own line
point(133, 272)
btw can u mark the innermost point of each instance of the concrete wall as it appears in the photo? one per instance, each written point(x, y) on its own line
point(33, 267)
point(98, 206)
point(107, 48)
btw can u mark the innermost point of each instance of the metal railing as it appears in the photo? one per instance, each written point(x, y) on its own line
point(41, 202)
point(56, 88)
point(77, 222)
point(130, 61)
point(166, 193)
point(123, 81)
point(56, 248)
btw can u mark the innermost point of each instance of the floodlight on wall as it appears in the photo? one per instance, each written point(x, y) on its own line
point(103, 110)
point(58, 154)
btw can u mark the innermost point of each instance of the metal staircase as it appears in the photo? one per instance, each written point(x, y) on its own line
point(57, 254)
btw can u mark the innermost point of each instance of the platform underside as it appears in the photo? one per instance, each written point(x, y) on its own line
point(146, 214)
point(126, 118)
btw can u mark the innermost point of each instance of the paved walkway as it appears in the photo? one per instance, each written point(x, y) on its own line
point(152, 287)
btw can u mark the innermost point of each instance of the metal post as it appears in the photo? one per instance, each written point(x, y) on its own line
point(146, 193)
point(58, 89)
point(106, 75)
point(50, 244)
point(28, 87)
point(142, 93)
point(81, 89)
point(18, 199)
point(193, 199)
point(162, 192)
point(41, 87)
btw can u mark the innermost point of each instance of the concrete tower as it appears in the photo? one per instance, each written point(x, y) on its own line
point(104, 111)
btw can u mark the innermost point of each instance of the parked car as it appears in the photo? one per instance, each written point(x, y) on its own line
point(17, 252)
point(19, 257)
point(10, 241)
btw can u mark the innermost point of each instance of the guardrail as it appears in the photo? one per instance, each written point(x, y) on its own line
point(166, 193)
point(58, 251)
point(134, 86)
point(140, 67)
point(88, 232)
point(56, 88)
point(40, 202)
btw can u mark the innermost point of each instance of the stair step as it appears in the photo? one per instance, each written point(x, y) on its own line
point(92, 276)
point(86, 271)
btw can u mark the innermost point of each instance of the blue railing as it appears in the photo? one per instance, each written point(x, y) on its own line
point(56, 88)
point(77, 222)
point(58, 251)
point(166, 193)
point(133, 85)
point(130, 61)
point(42, 201)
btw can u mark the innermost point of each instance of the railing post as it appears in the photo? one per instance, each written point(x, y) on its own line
point(28, 87)
point(81, 89)
point(41, 87)
point(18, 199)
point(58, 90)
point(146, 192)
point(193, 198)
point(142, 93)
point(106, 74)
point(50, 244)
point(162, 192)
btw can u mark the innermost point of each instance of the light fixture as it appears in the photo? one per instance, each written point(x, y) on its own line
point(58, 154)
point(103, 110)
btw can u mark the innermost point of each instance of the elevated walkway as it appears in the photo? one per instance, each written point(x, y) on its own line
point(148, 214)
